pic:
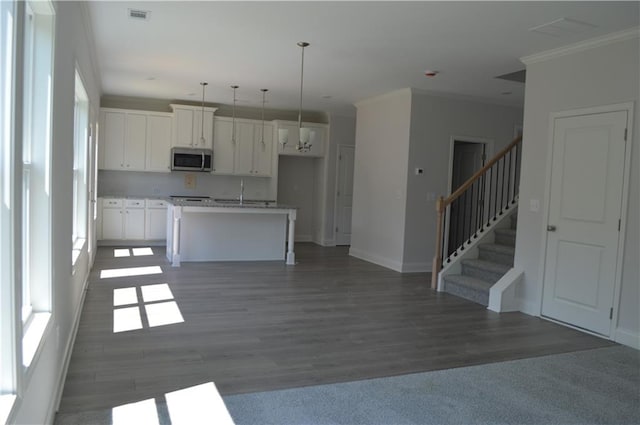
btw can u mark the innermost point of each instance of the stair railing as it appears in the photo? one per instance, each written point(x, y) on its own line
point(479, 201)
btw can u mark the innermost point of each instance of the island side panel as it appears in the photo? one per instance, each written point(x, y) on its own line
point(232, 237)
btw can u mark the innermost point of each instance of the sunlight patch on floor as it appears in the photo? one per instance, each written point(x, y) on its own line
point(124, 296)
point(139, 252)
point(126, 319)
point(121, 252)
point(130, 271)
point(161, 314)
point(159, 292)
point(142, 412)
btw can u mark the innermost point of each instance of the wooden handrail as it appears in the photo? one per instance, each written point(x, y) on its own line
point(459, 191)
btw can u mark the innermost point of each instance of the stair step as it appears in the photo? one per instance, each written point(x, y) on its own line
point(467, 287)
point(506, 237)
point(484, 270)
point(502, 254)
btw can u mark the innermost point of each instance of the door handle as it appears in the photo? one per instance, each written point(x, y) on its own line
point(551, 228)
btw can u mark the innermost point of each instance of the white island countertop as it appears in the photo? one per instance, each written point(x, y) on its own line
point(203, 229)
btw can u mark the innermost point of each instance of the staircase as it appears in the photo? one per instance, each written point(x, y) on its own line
point(480, 274)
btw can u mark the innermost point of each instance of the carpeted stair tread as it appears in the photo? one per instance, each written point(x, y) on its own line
point(505, 237)
point(489, 266)
point(498, 248)
point(469, 288)
point(469, 282)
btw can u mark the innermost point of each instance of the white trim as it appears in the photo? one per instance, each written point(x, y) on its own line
point(339, 146)
point(628, 107)
point(502, 295)
point(54, 403)
point(628, 338)
point(376, 259)
point(592, 43)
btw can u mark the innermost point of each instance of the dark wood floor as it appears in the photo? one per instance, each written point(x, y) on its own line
point(256, 326)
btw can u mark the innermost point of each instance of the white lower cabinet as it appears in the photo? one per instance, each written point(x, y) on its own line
point(132, 219)
point(155, 220)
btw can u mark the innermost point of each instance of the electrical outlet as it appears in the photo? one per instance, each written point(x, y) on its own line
point(190, 181)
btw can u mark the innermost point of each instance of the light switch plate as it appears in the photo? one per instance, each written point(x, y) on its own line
point(534, 205)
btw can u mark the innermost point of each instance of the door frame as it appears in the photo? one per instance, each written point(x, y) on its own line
point(626, 175)
point(467, 139)
point(339, 146)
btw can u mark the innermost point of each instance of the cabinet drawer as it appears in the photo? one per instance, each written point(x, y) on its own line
point(156, 203)
point(111, 203)
point(134, 203)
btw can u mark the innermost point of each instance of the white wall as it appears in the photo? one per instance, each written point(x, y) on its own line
point(380, 178)
point(393, 220)
point(36, 403)
point(297, 186)
point(603, 75)
point(434, 121)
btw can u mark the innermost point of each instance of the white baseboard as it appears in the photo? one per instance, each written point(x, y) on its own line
point(628, 338)
point(67, 355)
point(376, 259)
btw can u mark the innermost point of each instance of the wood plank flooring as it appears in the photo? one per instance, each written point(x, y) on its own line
point(258, 326)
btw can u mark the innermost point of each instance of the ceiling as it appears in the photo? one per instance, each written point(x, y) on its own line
point(358, 49)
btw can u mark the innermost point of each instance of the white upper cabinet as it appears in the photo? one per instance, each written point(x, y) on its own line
point(158, 143)
point(223, 147)
point(135, 140)
point(288, 136)
point(247, 155)
point(124, 135)
point(188, 130)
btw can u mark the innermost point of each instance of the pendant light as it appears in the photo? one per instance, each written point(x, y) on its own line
point(202, 141)
point(233, 119)
point(264, 94)
point(302, 146)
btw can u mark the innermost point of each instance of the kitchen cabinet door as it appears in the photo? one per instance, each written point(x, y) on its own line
point(156, 224)
point(199, 132)
point(183, 127)
point(135, 142)
point(113, 130)
point(244, 149)
point(262, 150)
point(112, 223)
point(134, 223)
point(223, 148)
point(158, 143)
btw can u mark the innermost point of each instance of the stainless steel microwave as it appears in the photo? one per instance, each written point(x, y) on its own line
point(191, 159)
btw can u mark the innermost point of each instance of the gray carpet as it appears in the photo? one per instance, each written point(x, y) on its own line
point(599, 386)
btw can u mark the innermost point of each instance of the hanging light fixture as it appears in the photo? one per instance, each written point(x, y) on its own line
point(302, 146)
point(202, 141)
point(264, 94)
point(233, 119)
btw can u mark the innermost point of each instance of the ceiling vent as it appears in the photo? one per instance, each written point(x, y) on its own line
point(562, 27)
point(139, 15)
point(518, 76)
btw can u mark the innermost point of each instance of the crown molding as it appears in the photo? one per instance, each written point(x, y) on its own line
point(591, 43)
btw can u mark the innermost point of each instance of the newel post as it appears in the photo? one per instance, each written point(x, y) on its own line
point(437, 259)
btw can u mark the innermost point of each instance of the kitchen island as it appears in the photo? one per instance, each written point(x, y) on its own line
point(227, 230)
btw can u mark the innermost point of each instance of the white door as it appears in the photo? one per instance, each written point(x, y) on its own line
point(584, 212)
point(344, 196)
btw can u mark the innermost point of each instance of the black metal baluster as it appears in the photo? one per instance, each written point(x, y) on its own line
point(516, 185)
point(484, 193)
point(477, 207)
point(495, 205)
point(509, 179)
point(470, 213)
point(445, 236)
point(490, 172)
point(502, 186)
point(454, 239)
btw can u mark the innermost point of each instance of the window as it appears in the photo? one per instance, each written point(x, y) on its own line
point(7, 180)
point(36, 144)
point(80, 186)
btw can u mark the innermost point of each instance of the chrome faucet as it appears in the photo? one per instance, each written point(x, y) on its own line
point(241, 191)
